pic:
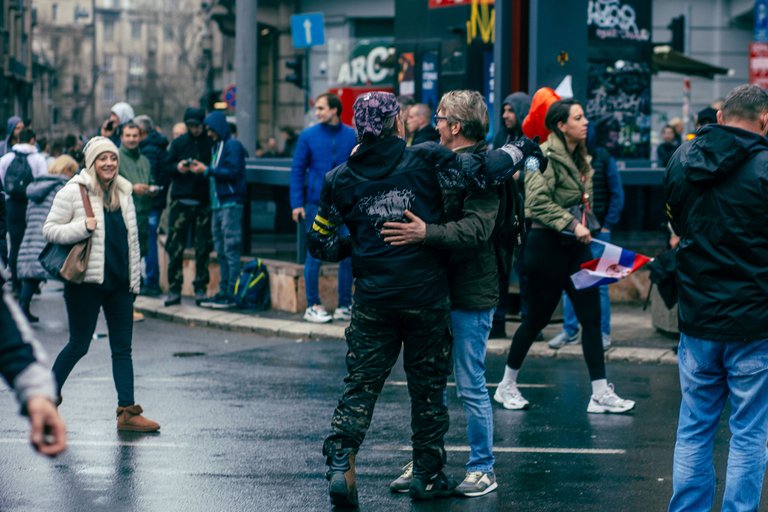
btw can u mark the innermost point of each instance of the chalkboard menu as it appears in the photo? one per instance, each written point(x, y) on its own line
point(619, 75)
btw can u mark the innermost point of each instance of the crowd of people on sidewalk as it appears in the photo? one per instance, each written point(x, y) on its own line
point(429, 220)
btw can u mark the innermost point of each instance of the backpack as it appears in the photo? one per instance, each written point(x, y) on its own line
point(252, 287)
point(510, 223)
point(18, 176)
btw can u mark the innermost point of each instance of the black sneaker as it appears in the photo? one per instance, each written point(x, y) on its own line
point(173, 299)
point(432, 487)
point(151, 291)
point(200, 295)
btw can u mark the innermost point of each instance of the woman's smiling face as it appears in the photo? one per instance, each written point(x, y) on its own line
point(105, 166)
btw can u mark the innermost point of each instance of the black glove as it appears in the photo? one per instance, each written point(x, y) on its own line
point(530, 148)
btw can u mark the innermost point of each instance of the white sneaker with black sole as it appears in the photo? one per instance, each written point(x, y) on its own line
point(510, 397)
point(477, 483)
point(343, 314)
point(609, 402)
point(317, 315)
point(562, 340)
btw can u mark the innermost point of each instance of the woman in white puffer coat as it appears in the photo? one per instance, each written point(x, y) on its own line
point(112, 276)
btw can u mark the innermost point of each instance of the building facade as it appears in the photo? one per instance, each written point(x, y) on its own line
point(16, 23)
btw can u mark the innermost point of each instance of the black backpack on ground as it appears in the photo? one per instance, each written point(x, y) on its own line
point(18, 176)
point(252, 287)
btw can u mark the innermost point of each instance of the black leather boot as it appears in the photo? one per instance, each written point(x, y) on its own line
point(342, 484)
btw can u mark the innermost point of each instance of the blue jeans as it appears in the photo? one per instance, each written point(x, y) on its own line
point(570, 323)
point(470, 339)
point(710, 373)
point(152, 267)
point(227, 230)
point(312, 268)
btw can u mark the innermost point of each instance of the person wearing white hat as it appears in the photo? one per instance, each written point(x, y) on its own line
point(112, 274)
point(119, 115)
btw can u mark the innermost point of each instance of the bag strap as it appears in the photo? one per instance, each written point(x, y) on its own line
point(86, 201)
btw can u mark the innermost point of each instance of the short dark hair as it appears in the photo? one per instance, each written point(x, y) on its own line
point(130, 125)
point(746, 102)
point(26, 135)
point(333, 101)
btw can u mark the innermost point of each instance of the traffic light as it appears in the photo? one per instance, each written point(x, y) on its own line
point(296, 67)
point(677, 26)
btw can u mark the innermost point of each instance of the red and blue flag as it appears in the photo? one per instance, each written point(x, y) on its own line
point(613, 264)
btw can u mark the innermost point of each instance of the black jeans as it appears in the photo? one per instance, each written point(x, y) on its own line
point(16, 213)
point(84, 301)
point(374, 338)
point(549, 263)
point(28, 289)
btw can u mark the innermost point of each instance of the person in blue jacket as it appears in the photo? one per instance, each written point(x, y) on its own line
point(608, 201)
point(321, 148)
point(228, 190)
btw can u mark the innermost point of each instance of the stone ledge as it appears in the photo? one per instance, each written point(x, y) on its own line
point(304, 331)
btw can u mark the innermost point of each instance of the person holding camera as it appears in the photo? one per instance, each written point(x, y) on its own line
point(190, 208)
point(135, 168)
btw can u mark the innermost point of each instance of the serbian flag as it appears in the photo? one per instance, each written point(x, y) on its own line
point(611, 266)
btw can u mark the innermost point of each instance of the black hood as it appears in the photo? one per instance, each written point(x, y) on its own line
point(717, 151)
point(376, 159)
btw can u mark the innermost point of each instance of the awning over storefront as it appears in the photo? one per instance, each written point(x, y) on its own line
point(667, 59)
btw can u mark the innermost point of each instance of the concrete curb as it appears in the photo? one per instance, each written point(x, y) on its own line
point(293, 329)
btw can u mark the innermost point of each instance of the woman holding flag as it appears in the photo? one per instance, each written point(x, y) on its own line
point(558, 243)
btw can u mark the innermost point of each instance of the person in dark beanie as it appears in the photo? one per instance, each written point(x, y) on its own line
point(515, 109)
point(401, 292)
point(190, 207)
point(16, 197)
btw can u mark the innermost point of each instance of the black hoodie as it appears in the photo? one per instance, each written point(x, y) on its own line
point(378, 182)
point(716, 189)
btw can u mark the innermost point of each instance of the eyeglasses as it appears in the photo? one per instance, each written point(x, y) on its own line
point(436, 119)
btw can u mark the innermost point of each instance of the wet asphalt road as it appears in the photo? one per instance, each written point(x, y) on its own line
point(243, 423)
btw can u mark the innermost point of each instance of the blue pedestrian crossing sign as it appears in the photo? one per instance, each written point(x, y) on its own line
point(308, 29)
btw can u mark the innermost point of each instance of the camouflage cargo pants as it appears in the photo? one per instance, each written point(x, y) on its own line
point(374, 338)
point(182, 219)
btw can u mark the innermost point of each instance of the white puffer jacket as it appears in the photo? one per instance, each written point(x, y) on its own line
point(66, 224)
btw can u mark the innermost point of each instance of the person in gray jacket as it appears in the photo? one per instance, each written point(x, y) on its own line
point(24, 368)
point(40, 194)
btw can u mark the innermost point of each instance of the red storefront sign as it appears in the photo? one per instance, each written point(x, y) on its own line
point(348, 95)
point(758, 64)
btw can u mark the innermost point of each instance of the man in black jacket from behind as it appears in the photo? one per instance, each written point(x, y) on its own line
point(190, 207)
point(716, 190)
point(401, 293)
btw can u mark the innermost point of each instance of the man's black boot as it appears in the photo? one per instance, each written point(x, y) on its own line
point(342, 484)
point(430, 487)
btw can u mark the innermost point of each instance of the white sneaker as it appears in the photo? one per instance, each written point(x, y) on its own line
point(343, 313)
point(317, 315)
point(509, 396)
point(562, 340)
point(609, 402)
point(606, 341)
point(477, 483)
